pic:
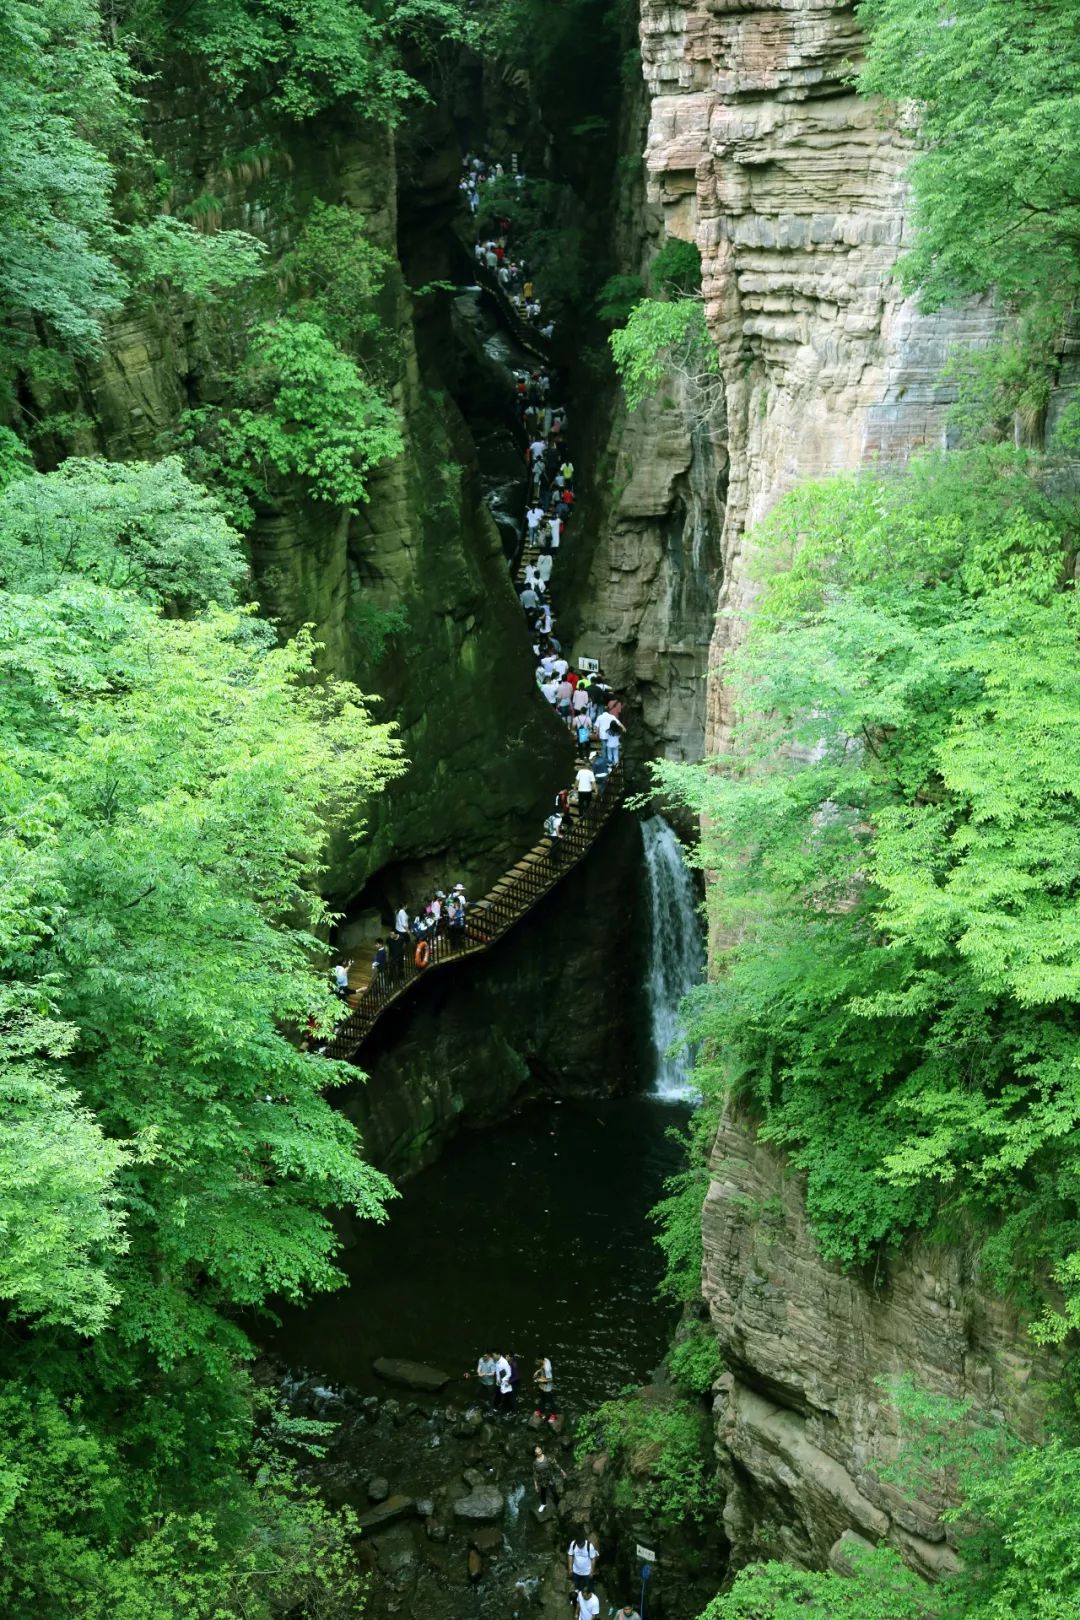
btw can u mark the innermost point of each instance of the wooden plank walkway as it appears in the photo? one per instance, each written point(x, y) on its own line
point(513, 897)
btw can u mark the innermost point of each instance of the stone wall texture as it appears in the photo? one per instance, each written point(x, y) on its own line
point(423, 542)
point(793, 188)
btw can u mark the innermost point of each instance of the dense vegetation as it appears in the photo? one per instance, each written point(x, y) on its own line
point(170, 771)
point(895, 998)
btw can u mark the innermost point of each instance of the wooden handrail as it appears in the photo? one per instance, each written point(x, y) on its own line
point(514, 895)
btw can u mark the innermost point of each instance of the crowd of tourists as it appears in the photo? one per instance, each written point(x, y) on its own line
point(581, 698)
point(493, 251)
point(498, 1376)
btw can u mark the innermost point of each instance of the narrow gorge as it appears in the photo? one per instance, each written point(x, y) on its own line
point(539, 993)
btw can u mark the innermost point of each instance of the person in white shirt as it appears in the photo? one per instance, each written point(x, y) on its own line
point(401, 921)
point(581, 1558)
point(546, 621)
point(544, 564)
point(550, 689)
point(588, 1604)
point(341, 979)
point(536, 451)
point(608, 727)
point(560, 667)
point(503, 1383)
point(534, 517)
point(555, 528)
point(585, 782)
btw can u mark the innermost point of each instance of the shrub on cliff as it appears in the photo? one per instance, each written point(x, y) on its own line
point(896, 839)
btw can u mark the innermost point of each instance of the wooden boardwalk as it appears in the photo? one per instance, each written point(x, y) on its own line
point(512, 898)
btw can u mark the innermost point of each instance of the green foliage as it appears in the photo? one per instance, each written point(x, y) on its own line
point(335, 274)
point(272, 1548)
point(896, 845)
point(303, 410)
point(201, 265)
point(318, 54)
point(130, 526)
point(64, 100)
point(373, 626)
point(694, 1359)
point(168, 1156)
point(617, 298)
point(997, 195)
point(676, 268)
point(660, 337)
point(662, 1447)
point(1016, 1522)
point(880, 1588)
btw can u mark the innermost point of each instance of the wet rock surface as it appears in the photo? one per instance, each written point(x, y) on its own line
point(412, 1374)
point(457, 1534)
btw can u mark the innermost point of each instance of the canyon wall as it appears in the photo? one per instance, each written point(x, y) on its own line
point(423, 543)
point(793, 188)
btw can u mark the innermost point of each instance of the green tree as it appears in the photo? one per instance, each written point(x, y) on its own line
point(168, 1153)
point(997, 172)
point(303, 409)
point(897, 843)
point(664, 338)
point(64, 102)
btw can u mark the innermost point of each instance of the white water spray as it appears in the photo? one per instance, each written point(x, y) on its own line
point(676, 957)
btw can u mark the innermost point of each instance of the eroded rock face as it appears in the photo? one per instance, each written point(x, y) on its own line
point(793, 189)
point(455, 670)
point(802, 1421)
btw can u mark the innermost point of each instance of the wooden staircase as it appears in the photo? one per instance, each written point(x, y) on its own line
point(513, 897)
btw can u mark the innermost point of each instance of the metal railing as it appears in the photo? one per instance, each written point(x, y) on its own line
point(513, 896)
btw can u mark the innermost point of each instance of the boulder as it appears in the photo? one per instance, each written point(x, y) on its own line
point(481, 1506)
point(378, 1489)
point(436, 1532)
point(473, 1478)
point(391, 1511)
point(411, 1374)
point(487, 1540)
point(425, 1506)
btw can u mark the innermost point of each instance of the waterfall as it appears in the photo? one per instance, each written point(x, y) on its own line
point(676, 956)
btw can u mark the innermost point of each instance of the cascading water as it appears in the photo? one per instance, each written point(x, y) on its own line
point(676, 957)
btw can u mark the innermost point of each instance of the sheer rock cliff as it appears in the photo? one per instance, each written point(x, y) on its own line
point(423, 542)
point(793, 188)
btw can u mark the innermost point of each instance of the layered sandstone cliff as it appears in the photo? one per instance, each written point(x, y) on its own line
point(793, 189)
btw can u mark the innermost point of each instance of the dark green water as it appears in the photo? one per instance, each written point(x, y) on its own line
point(530, 1237)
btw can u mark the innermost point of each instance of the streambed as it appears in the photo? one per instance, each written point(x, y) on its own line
point(533, 1237)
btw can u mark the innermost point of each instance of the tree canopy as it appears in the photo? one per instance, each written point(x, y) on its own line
point(168, 1153)
point(997, 173)
point(897, 840)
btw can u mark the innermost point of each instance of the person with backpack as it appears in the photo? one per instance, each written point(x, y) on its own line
point(553, 829)
point(581, 1558)
point(456, 921)
point(583, 732)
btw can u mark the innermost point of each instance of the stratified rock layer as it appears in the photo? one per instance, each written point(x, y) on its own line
point(803, 1423)
point(793, 188)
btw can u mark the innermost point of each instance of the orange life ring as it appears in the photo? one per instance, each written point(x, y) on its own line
point(423, 954)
